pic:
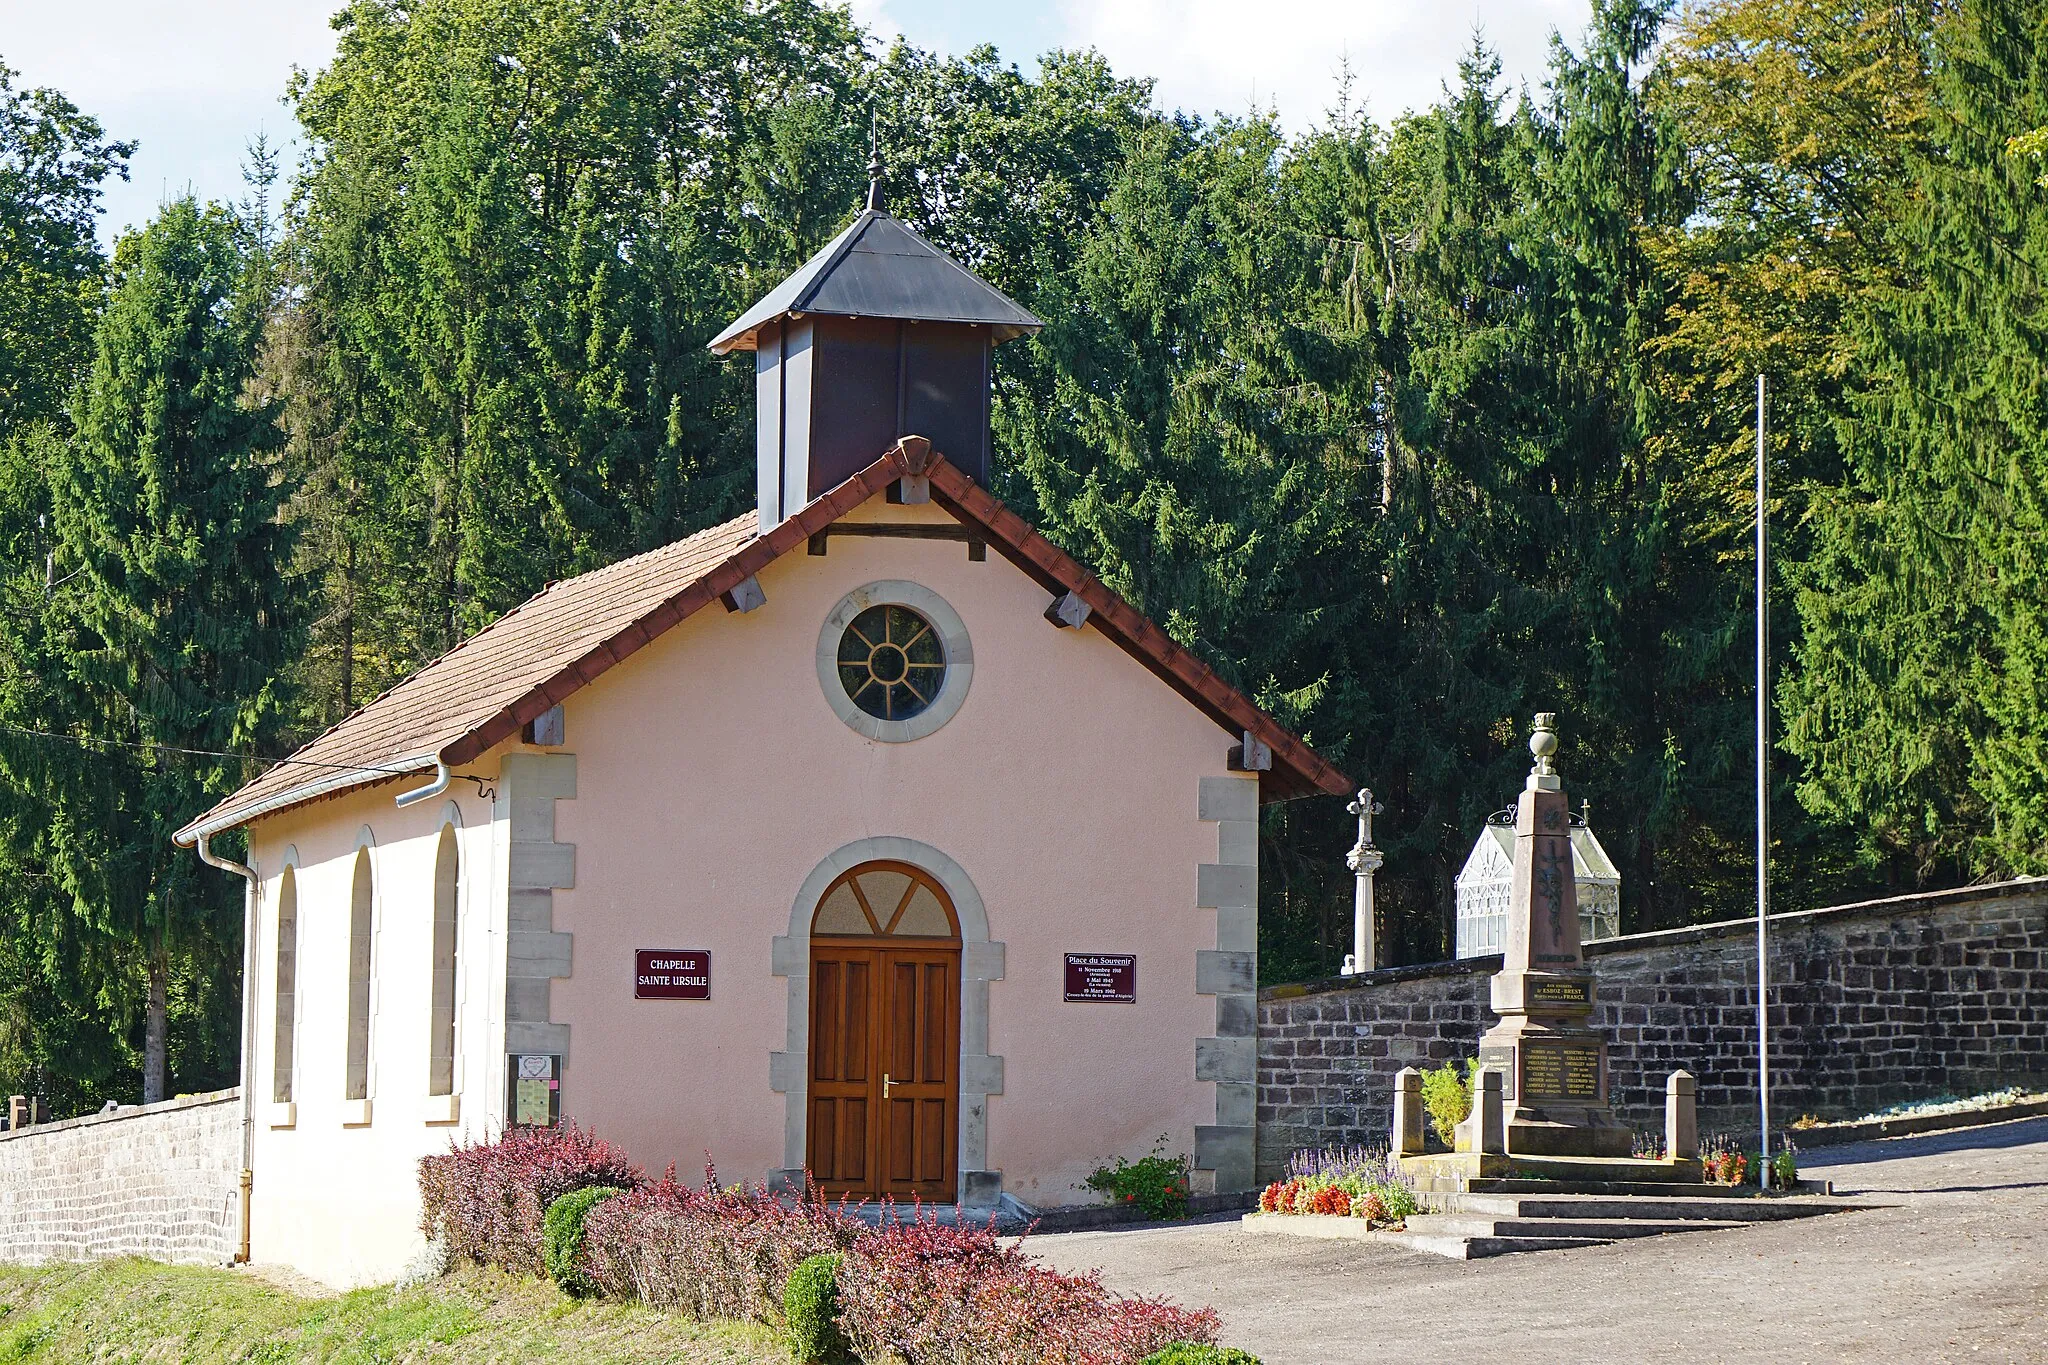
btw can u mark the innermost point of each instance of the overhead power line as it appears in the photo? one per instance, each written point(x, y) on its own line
point(147, 747)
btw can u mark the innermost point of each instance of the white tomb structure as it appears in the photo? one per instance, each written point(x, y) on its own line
point(1489, 871)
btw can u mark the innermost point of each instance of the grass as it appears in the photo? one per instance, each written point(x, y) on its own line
point(138, 1310)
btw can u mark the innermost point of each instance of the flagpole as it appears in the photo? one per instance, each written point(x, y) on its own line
point(1763, 811)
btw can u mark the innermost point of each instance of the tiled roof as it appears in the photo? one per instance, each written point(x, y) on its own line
point(482, 691)
point(409, 726)
point(878, 268)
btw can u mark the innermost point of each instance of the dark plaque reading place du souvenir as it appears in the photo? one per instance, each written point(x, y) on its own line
point(671, 974)
point(1106, 978)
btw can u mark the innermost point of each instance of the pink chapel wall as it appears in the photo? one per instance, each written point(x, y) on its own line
point(713, 778)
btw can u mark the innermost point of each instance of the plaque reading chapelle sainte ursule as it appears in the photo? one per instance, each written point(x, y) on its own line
point(671, 974)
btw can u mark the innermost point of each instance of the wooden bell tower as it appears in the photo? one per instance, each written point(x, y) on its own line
point(880, 335)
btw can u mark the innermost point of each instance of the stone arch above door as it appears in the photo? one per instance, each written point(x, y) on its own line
point(981, 961)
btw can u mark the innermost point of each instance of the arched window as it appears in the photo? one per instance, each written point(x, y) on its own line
point(886, 898)
point(441, 1025)
point(359, 980)
point(282, 1036)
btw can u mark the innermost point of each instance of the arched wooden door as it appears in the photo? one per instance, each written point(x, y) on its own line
point(885, 1036)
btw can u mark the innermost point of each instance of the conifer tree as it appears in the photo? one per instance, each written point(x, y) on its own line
point(179, 624)
point(1923, 686)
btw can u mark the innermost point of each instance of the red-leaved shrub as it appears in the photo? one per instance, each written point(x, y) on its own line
point(486, 1200)
point(711, 1253)
point(931, 1294)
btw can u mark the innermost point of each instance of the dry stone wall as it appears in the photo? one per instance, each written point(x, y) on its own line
point(1871, 1004)
point(156, 1180)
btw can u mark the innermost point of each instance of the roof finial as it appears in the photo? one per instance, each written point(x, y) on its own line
point(875, 162)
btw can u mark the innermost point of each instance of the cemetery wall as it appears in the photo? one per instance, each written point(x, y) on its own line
point(155, 1180)
point(1871, 1004)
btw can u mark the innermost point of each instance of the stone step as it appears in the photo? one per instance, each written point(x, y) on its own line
point(1755, 1209)
point(1478, 1248)
point(1599, 1229)
point(1512, 1185)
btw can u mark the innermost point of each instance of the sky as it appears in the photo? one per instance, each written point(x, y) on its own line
point(194, 80)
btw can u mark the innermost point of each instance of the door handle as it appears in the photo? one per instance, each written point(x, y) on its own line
point(889, 1085)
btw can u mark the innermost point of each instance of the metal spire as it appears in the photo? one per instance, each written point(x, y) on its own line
point(875, 163)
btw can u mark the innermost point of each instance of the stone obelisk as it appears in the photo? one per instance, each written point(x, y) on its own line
point(1553, 1064)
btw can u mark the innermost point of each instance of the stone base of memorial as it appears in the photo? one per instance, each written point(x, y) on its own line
point(1456, 1172)
point(1554, 1085)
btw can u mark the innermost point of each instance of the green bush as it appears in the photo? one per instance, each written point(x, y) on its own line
point(1186, 1353)
point(810, 1307)
point(1156, 1184)
point(562, 1238)
point(1447, 1095)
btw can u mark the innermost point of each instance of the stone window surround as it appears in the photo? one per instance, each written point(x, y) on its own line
point(355, 1113)
point(981, 961)
point(447, 1108)
point(285, 1113)
point(953, 639)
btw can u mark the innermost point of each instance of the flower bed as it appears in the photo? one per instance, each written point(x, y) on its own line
point(913, 1292)
point(1343, 1182)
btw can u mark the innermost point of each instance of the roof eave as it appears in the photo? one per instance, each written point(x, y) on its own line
point(331, 784)
point(1297, 769)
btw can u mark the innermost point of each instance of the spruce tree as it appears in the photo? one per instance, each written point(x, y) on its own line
point(1920, 702)
point(179, 622)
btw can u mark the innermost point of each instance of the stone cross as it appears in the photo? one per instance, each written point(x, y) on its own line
point(1364, 860)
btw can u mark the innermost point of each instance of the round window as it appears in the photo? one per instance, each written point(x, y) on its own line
point(894, 661)
point(891, 662)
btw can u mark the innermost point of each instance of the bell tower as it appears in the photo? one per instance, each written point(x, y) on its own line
point(878, 336)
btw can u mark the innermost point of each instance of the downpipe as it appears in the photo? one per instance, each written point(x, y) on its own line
point(442, 777)
point(248, 1179)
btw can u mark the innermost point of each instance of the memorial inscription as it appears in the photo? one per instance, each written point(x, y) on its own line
point(1559, 993)
point(1567, 1072)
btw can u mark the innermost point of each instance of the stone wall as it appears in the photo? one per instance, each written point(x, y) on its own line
point(155, 1180)
point(1871, 1004)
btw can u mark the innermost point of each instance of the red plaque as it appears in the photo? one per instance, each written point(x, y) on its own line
point(1106, 978)
point(671, 974)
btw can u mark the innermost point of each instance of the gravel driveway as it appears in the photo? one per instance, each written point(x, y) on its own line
point(1951, 1264)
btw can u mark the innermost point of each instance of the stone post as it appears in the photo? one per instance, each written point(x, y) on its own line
point(1363, 860)
point(1681, 1117)
point(1408, 1113)
point(1486, 1129)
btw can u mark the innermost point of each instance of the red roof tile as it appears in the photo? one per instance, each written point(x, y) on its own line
point(482, 691)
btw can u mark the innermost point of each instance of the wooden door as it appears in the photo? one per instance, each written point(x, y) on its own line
point(885, 1071)
point(884, 1101)
point(845, 1087)
point(918, 1137)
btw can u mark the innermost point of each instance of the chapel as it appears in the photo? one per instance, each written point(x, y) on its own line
point(867, 835)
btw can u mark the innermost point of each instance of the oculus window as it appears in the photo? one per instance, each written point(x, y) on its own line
point(894, 661)
point(891, 662)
